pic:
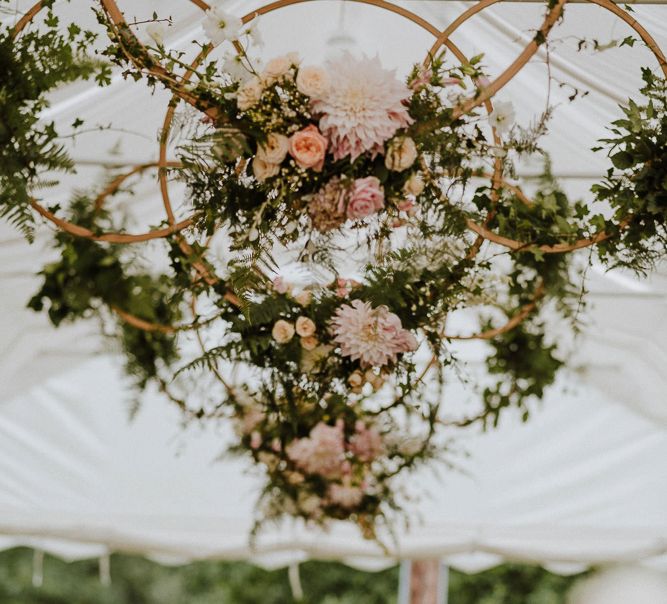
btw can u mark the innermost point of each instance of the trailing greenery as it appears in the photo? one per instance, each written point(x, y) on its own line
point(385, 219)
point(636, 186)
point(90, 278)
point(32, 64)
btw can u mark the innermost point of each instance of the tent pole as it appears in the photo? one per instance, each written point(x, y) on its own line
point(423, 582)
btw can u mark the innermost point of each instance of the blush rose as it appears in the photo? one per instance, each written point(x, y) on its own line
point(366, 198)
point(308, 148)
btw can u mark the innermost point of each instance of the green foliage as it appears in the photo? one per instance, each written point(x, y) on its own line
point(32, 65)
point(139, 581)
point(526, 366)
point(637, 188)
point(509, 584)
point(91, 276)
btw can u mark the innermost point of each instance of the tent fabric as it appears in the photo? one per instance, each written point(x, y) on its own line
point(583, 482)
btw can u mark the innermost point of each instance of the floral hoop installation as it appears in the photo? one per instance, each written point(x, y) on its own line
point(386, 199)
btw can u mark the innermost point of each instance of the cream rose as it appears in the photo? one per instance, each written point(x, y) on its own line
point(308, 148)
point(276, 69)
point(401, 154)
point(282, 331)
point(310, 504)
point(304, 298)
point(414, 185)
point(263, 170)
point(312, 81)
point(275, 149)
point(356, 379)
point(249, 94)
point(305, 327)
point(309, 343)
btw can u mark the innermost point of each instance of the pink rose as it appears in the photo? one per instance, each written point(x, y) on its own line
point(366, 444)
point(308, 148)
point(366, 198)
point(322, 452)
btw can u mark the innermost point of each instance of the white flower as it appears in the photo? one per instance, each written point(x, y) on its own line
point(276, 69)
point(305, 327)
point(401, 154)
point(235, 69)
point(312, 81)
point(253, 32)
point(219, 25)
point(156, 31)
point(414, 185)
point(502, 116)
point(263, 170)
point(275, 149)
point(249, 94)
point(282, 331)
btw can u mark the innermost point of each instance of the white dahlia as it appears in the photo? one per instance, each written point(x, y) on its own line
point(362, 107)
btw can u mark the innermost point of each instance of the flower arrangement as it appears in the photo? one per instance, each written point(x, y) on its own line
point(375, 186)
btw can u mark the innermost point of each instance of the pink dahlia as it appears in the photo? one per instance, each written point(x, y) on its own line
point(322, 452)
point(373, 335)
point(363, 107)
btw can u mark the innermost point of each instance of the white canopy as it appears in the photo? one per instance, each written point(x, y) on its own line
point(583, 482)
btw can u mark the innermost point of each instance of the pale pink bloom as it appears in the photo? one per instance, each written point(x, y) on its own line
point(327, 207)
point(421, 79)
point(251, 418)
point(406, 205)
point(345, 286)
point(363, 107)
point(374, 336)
point(309, 343)
point(366, 198)
point(280, 286)
point(451, 81)
point(366, 443)
point(255, 440)
point(344, 495)
point(322, 452)
point(308, 148)
point(483, 82)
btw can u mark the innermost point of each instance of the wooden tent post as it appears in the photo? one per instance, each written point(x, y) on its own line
point(423, 582)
